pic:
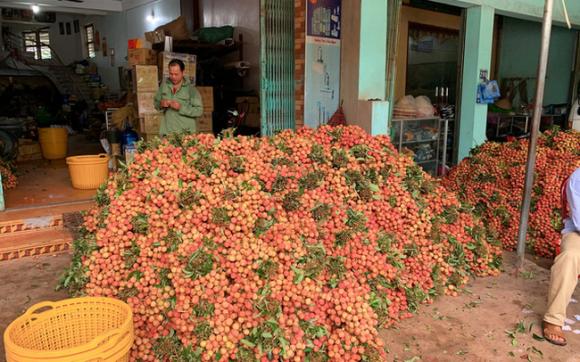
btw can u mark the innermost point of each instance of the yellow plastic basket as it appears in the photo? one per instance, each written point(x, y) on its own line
point(79, 329)
point(53, 142)
point(88, 172)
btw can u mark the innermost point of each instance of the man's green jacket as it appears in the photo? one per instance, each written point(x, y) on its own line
point(191, 107)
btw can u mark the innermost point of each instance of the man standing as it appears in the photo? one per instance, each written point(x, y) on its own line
point(566, 268)
point(179, 100)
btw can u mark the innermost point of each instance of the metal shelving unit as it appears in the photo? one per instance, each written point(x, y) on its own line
point(423, 137)
point(447, 136)
point(108, 116)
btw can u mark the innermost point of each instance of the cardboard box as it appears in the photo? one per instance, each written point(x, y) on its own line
point(28, 150)
point(145, 78)
point(139, 43)
point(148, 137)
point(145, 103)
point(205, 123)
point(141, 57)
point(190, 61)
point(150, 123)
point(206, 98)
point(156, 36)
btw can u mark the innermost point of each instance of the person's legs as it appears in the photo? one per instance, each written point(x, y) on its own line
point(564, 278)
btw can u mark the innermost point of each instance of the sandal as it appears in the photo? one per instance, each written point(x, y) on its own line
point(553, 334)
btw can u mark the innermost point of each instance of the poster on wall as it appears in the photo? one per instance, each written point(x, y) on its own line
point(322, 67)
point(104, 46)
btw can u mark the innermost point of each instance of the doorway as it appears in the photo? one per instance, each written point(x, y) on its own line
point(429, 53)
point(277, 65)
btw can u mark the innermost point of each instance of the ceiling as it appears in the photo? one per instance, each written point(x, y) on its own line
point(87, 7)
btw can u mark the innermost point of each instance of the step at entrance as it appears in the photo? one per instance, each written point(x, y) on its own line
point(35, 242)
point(41, 230)
point(33, 223)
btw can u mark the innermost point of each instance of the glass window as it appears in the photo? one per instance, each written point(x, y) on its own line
point(30, 43)
point(44, 40)
point(432, 62)
point(90, 40)
point(37, 43)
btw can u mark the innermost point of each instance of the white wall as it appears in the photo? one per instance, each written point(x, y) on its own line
point(244, 15)
point(66, 46)
point(118, 28)
point(113, 28)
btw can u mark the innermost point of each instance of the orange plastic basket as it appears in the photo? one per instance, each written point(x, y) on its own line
point(79, 329)
point(88, 172)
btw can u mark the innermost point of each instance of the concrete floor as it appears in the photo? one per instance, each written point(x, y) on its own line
point(25, 282)
point(479, 324)
point(44, 188)
point(46, 182)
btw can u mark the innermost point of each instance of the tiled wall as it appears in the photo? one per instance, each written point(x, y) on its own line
point(299, 53)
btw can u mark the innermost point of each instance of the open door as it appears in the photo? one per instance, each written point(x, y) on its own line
point(277, 65)
point(428, 63)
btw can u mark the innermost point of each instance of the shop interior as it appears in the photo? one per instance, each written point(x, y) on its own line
point(66, 71)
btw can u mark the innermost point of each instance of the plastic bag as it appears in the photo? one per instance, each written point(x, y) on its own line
point(488, 92)
point(424, 107)
point(407, 101)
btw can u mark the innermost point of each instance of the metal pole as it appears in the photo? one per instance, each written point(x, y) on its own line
point(531, 163)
